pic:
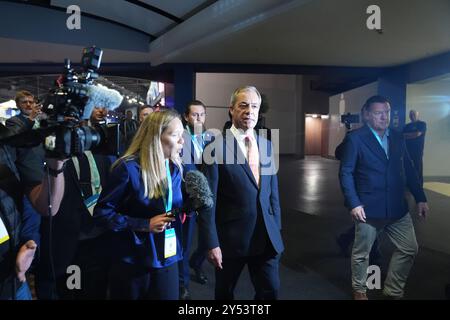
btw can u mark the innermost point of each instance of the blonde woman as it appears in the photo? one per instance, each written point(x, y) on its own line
point(145, 186)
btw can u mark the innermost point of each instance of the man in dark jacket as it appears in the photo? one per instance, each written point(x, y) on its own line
point(375, 169)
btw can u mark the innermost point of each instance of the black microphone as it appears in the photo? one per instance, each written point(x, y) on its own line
point(199, 194)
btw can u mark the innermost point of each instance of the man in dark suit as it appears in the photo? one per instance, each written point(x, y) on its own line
point(375, 169)
point(195, 137)
point(243, 227)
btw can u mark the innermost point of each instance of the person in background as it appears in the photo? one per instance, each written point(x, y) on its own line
point(414, 133)
point(195, 137)
point(129, 127)
point(29, 112)
point(144, 111)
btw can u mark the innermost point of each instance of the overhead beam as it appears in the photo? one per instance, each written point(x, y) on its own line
point(46, 4)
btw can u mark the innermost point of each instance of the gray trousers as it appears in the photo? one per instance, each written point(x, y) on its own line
point(401, 233)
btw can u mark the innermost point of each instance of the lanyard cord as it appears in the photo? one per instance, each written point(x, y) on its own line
point(168, 202)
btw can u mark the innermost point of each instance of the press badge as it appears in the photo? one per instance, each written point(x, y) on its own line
point(4, 236)
point(91, 202)
point(170, 243)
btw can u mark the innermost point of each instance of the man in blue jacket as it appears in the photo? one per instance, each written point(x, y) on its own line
point(374, 172)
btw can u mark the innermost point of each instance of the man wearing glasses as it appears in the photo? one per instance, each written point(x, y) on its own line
point(29, 112)
point(375, 168)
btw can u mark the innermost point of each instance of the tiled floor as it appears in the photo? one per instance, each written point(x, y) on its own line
point(313, 215)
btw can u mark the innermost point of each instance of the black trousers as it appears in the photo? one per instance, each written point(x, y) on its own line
point(94, 262)
point(136, 282)
point(264, 274)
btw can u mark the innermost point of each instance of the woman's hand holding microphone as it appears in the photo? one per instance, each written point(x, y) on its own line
point(160, 222)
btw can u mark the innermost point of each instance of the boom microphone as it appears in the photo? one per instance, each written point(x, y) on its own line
point(101, 96)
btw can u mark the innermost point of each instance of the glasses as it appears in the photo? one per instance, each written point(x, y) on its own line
point(27, 101)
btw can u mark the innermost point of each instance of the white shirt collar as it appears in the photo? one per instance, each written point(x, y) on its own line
point(239, 133)
point(240, 138)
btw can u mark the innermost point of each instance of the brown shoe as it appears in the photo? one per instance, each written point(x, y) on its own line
point(359, 296)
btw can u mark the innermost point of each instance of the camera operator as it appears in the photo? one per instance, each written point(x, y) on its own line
point(75, 239)
point(21, 174)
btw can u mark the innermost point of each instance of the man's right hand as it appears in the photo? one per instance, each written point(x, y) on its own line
point(215, 257)
point(358, 214)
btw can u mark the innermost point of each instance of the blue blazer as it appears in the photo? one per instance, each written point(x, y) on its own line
point(377, 182)
point(245, 219)
point(123, 208)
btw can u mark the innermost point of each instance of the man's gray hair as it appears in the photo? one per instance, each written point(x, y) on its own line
point(243, 89)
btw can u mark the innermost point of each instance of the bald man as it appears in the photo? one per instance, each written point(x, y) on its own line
point(414, 133)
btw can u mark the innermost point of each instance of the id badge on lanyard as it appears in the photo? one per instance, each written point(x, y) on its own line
point(170, 238)
point(4, 236)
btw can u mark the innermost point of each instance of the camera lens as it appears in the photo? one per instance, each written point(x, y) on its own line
point(89, 137)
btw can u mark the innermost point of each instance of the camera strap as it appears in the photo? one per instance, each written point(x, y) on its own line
point(95, 180)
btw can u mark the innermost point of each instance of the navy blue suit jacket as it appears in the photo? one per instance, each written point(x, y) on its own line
point(245, 219)
point(377, 182)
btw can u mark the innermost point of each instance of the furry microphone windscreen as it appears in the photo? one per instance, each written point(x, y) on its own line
point(101, 96)
point(198, 190)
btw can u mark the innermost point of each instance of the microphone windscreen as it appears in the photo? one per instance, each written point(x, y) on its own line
point(101, 96)
point(198, 190)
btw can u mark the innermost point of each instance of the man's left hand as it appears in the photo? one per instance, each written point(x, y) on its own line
point(24, 259)
point(422, 209)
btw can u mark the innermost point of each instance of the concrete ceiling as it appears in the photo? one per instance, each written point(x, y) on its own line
point(289, 32)
point(315, 32)
point(270, 32)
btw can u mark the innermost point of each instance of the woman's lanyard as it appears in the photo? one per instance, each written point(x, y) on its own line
point(95, 180)
point(168, 202)
point(170, 238)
